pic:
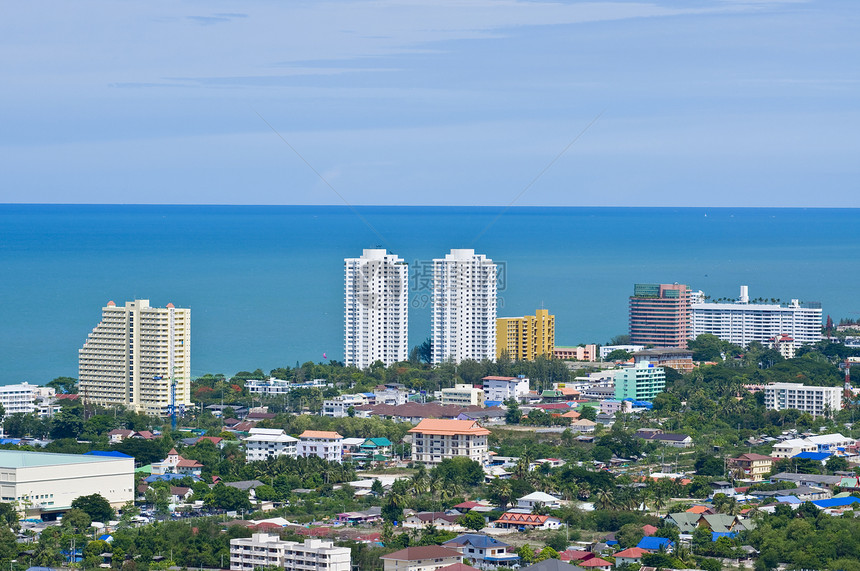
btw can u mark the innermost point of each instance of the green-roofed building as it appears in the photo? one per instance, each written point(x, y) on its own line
point(43, 482)
point(377, 446)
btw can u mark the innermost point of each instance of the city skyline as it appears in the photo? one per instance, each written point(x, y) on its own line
point(742, 103)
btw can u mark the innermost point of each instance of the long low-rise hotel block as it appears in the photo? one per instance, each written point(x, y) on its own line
point(42, 482)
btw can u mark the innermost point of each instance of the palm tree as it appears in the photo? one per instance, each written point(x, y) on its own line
point(419, 481)
point(521, 470)
point(659, 502)
point(683, 553)
point(504, 491)
point(434, 484)
point(605, 500)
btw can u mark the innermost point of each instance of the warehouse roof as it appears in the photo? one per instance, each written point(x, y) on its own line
point(22, 459)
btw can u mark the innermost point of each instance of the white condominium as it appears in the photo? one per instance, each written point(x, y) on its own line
point(463, 395)
point(20, 398)
point(263, 443)
point(134, 354)
point(817, 401)
point(743, 322)
point(265, 551)
point(376, 309)
point(464, 307)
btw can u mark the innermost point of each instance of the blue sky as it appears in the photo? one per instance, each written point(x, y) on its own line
point(698, 102)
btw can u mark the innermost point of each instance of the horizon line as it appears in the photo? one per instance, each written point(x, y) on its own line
point(213, 204)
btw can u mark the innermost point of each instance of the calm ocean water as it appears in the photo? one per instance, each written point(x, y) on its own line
point(265, 284)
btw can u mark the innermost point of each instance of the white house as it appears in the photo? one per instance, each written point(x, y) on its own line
point(484, 551)
point(322, 443)
point(528, 502)
point(339, 406)
point(267, 443)
point(793, 447)
point(831, 442)
point(505, 388)
point(439, 520)
point(176, 464)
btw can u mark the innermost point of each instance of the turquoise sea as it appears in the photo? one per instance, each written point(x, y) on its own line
point(265, 284)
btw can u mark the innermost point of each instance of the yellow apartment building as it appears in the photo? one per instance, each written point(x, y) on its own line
point(525, 338)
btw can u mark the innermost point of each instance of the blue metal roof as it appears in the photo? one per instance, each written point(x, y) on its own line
point(108, 453)
point(819, 456)
point(652, 543)
point(476, 539)
point(836, 502)
point(715, 535)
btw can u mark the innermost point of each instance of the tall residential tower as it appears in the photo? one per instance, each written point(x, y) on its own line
point(376, 309)
point(464, 307)
point(660, 315)
point(135, 355)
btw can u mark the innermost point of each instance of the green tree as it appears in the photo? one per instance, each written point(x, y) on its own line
point(63, 385)
point(546, 553)
point(557, 541)
point(601, 454)
point(836, 464)
point(618, 355)
point(92, 552)
point(706, 347)
point(460, 470)
point(588, 413)
point(629, 535)
point(707, 465)
point(472, 520)
point(228, 498)
point(526, 553)
point(76, 520)
point(100, 424)
point(513, 415)
point(66, 424)
point(266, 493)
point(9, 516)
point(95, 506)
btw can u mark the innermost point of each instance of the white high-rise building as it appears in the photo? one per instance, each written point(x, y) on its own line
point(133, 356)
point(817, 401)
point(376, 309)
point(464, 307)
point(743, 322)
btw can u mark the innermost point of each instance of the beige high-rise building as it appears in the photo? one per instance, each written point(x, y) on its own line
point(524, 338)
point(134, 355)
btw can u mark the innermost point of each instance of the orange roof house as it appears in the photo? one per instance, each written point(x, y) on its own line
point(528, 521)
point(320, 435)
